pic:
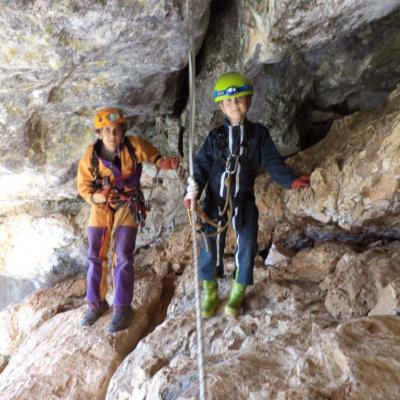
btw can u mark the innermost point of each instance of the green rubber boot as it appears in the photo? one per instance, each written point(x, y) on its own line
point(234, 306)
point(211, 301)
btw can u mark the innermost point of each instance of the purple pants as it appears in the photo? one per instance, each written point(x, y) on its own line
point(123, 273)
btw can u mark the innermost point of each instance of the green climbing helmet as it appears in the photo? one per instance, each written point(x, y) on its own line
point(232, 84)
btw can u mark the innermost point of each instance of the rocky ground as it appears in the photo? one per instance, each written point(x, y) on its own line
point(320, 323)
point(322, 319)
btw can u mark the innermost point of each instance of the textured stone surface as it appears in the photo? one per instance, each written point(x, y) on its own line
point(354, 180)
point(60, 61)
point(277, 28)
point(19, 321)
point(169, 256)
point(312, 265)
point(311, 62)
point(354, 195)
point(358, 360)
point(62, 359)
point(14, 290)
point(3, 362)
point(388, 300)
point(284, 346)
point(30, 246)
point(168, 367)
point(358, 280)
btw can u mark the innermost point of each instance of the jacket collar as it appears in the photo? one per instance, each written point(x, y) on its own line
point(227, 123)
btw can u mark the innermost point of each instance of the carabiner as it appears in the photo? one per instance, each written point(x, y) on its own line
point(231, 164)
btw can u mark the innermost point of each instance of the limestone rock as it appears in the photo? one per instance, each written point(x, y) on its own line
point(389, 300)
point(314, 265)
point(260, 340)
point(269, 201)
point(284, 346)
point(62, 61)
point(19, 321)
point(277, 27)
point(354, 173)
point(310, 62)
point(353, 289)
point(76, 362)
point(356, 361)
point(3, 362)
point(169, 256)
point(32, 246)
point(14, 290)
point(58, 64)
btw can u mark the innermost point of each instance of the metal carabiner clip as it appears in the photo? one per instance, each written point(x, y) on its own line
point(232, 164)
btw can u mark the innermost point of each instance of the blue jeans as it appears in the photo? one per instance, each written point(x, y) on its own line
point(246, 249)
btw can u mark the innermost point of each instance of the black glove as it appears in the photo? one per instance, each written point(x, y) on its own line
point(116, 200)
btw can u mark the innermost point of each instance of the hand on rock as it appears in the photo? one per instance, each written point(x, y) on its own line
point(302, 182)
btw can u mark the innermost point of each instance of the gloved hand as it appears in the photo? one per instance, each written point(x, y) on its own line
point(168, 163)
point(101, 188)
point(302, 182)
point(187, 203)
point(192, 193)
point(116, 199)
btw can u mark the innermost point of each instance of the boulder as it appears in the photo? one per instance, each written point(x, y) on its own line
point(62, 359)
point(359, 279)
point(285, 345)
point(248, 357)
point(388, 300)
point(20, 320)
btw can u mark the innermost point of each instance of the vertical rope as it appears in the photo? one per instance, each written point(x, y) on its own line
point(192, 75)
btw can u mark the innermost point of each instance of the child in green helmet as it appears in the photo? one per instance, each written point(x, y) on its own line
point(227, 165)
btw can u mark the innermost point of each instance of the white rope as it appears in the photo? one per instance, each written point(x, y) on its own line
point(199, 328)
point(192, 189)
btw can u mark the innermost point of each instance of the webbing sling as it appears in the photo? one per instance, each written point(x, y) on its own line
point(227, 206)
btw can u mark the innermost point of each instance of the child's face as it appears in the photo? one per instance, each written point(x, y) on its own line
point(112, 136)
point(235, 109)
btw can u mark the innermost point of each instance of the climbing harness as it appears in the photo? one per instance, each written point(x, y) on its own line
point(229, 162)
point(132, 201)
point(199, 327)
point(94, 161)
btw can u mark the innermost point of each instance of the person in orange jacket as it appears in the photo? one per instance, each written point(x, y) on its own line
point(109, 179)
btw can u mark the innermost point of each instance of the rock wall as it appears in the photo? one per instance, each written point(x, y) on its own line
point(59, 62)
point(322, 321)
point(311, 62)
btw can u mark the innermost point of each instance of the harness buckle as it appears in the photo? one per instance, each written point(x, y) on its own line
point(232, 164)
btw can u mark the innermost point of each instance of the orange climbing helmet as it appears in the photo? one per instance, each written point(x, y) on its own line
point(108, 116)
